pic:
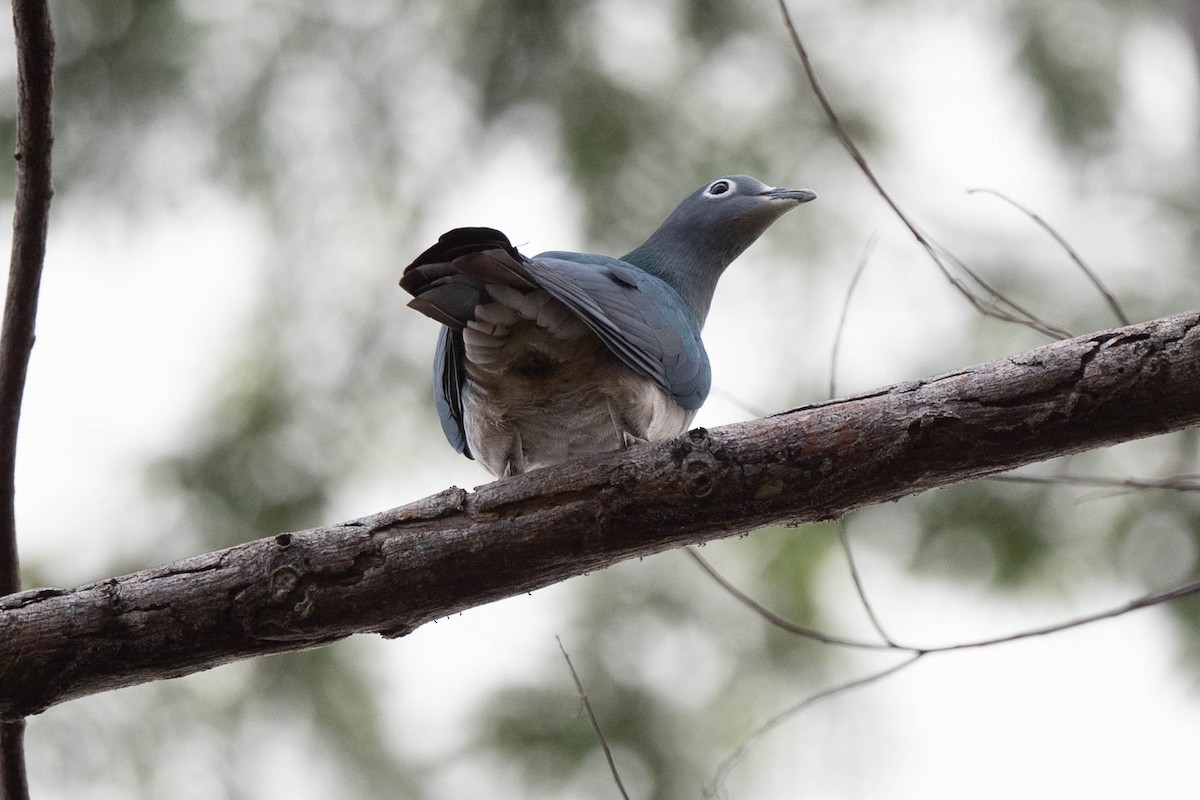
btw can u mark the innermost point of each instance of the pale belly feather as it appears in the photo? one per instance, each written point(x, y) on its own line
point(536, 396)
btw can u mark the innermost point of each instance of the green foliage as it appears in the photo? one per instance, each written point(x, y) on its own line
point(120, 65)
point(984, 530)
point(1071, 65)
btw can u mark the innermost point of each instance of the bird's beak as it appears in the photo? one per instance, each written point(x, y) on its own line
point(795, 195)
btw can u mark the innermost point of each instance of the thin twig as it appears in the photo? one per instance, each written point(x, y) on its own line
point(915, 653)
point(837, 336)
point(35, 71)
point(1146, 601)
point(992, 306)
point(1066, 246)
point(776, 620)
point(591, 715)
point(734, 758)
point(1176, 483)
point(1020, 315)
point(844, 538)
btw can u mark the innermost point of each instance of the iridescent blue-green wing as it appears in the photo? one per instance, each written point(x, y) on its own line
point(641, 319)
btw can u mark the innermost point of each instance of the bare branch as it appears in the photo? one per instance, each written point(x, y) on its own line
point(733, 759)
point(837, 336)
point(993, 305)
point(776, 620)
point(394, 571)
point(730, 762)
point(1118, 312)
point(1175, 483)
point(14, 784)
point(1147, 601)
point(35, 72)
point(844, 538)
point(1019, 315)
point(35, 64)
point(591, 715)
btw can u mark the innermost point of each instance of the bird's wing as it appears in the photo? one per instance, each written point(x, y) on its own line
point(448, 372)
point(640, 318)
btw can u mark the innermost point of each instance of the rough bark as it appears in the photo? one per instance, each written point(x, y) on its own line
point(396, 570)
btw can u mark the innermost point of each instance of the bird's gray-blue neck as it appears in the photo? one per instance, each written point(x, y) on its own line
point(690, 258)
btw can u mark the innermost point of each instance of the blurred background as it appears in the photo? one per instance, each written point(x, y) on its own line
point(223, 354)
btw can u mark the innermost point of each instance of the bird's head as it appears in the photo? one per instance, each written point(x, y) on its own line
point(729, 213)
point(709, 229)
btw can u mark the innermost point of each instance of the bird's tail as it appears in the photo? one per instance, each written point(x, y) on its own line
point(450, 279)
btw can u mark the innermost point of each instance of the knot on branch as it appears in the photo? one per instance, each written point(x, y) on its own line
point(284, 584)
point(284, 581)
point(933, 430)
point(698, 464)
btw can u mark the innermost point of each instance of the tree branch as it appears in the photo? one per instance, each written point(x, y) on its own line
point(35, 70)
point(394, 571)
point(35, 63)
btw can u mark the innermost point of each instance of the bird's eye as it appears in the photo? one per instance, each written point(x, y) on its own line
point(718, 188)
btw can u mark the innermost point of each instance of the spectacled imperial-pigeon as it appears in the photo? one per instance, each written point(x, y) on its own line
point(546, 358)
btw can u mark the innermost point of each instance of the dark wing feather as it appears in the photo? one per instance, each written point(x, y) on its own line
point(449, 279)
point(448, 371)
point(436, 263)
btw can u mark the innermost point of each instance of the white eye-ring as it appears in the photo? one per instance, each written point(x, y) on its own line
point(720, 187)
